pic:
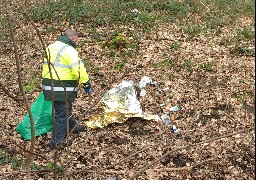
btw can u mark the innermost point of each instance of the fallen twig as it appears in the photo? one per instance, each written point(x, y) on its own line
point(171, 169)
point(7, 92)
point(182, 168)
point(32, 171)
point(16, 144)
point(186, 147)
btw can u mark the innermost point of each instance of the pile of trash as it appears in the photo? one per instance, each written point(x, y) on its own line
point(117, 105)
point(122, 102)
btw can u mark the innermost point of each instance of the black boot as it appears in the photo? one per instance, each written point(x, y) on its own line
point(79, 128)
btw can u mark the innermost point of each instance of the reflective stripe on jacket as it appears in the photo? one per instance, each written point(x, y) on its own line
point(67, 71)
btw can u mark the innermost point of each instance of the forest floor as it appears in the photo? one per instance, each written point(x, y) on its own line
point(214, 89)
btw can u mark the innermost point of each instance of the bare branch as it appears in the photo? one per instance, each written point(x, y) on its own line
point(186, 147)
point(18, 66)
point(6, 91)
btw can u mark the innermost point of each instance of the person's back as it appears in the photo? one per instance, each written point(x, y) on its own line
point(67, 70)
point(61, 81)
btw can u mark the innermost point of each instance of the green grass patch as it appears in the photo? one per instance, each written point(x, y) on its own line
point(208, 67)
point(242, 50)
point(32, 83)
point(4, 28)
point(144, 14)
point(119, 45)
point(167, 63)
point(118, 42)
point(221, 12)
point(17, 163)
point(225, 42)
point(193, 30)
point(175, 46)
point(119, 65)
point(215, 22)
point(4, 22)
point(177, 9)
point(247, 33)
point(188, 65)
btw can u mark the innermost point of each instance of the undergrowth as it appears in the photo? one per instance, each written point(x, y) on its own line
point(143, 14)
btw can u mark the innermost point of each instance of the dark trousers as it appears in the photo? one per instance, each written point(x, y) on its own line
point(60, 121)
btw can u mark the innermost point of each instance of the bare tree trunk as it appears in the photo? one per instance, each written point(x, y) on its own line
point(32, 144)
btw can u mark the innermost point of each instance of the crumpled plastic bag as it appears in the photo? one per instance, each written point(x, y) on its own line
point(42, 116)
point(120, 103)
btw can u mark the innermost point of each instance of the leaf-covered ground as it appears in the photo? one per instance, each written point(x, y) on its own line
point(213, 87)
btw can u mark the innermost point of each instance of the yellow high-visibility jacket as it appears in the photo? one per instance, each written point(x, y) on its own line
point(67, 71)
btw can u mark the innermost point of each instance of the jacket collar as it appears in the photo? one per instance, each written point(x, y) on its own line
point(67, 41)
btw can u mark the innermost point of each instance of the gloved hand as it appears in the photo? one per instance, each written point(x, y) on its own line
point(88, 87)
point(88, 90)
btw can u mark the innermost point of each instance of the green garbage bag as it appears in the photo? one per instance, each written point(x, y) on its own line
point(42, 115)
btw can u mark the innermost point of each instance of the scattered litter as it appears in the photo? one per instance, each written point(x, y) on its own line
point(135, 12)
point(174, 128)
point(174, 108)
point(142, 92)
point(168, 108)
point(153, 83)
point(145, 80)
point(111, 178)
point(165, 119)
point(165, 89)
point(166, 113)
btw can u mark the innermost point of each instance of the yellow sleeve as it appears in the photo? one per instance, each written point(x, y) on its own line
point(77, 67)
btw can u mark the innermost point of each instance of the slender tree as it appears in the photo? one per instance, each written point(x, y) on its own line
point(18, 66)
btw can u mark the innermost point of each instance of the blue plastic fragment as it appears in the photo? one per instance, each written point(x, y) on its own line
point(174, 108)
point(174, 128)
point(153, 82)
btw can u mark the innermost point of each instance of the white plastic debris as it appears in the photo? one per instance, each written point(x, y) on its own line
point(145, 80)
point(135, 12)
point(165, 119)
point(111, 178)
point(142, 92)
point(165, 89)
